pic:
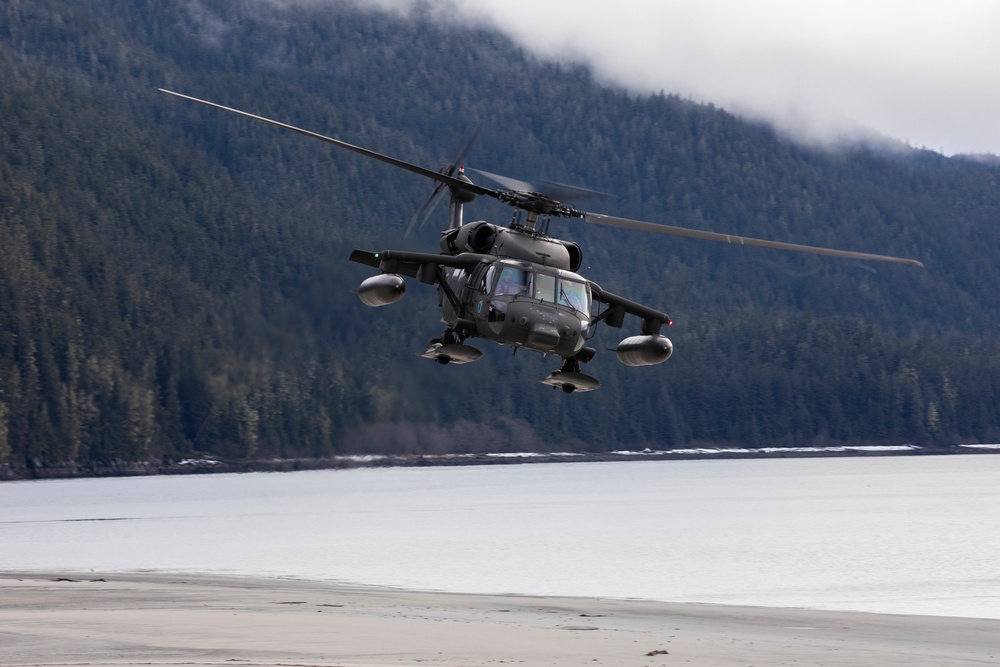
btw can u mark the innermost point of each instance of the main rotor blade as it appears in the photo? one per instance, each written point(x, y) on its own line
point(625, 223)
point(563, 192)
point(416, 169)
point(556, 191)
point(506, 181)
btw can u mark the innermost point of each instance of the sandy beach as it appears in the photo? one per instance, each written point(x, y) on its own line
point(123, 620)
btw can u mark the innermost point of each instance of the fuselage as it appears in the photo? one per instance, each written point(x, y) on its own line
point(519, 303)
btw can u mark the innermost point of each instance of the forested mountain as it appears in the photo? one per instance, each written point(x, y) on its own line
point(174, 280)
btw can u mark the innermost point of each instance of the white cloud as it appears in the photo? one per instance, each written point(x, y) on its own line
point(926, 72)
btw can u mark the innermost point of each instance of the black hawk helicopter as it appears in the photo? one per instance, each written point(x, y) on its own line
point(515, 285)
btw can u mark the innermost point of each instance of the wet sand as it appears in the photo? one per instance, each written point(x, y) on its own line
point(125, 620)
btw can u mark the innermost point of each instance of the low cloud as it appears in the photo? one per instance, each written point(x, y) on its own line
point(920, 71)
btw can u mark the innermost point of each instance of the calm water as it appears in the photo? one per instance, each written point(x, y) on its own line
point(907, 534)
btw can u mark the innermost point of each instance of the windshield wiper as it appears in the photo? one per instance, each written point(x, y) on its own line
point(565, 297)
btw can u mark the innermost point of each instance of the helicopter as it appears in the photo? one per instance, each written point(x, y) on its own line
point(515, 285)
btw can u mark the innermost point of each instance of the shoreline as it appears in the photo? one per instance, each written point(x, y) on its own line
point(209, 465)
point(104, 619)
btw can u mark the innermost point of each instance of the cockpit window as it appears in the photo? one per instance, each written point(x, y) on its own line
point(491, 273)
point(545, 287)
point(512, 281)
point(573, 294)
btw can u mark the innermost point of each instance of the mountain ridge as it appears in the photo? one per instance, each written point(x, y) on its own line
point(174, 280)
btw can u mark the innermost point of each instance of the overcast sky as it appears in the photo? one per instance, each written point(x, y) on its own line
point(926, 72)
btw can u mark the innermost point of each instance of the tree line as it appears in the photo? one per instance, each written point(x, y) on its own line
point(174, 283)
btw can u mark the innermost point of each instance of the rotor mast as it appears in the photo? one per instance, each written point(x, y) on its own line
point(530, 219)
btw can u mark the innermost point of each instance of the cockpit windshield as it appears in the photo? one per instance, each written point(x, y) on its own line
point(574, 295)
point(544, 287)
point(513, 281)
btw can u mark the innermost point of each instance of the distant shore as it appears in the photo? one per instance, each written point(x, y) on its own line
point(207, 464)
point(127, 620)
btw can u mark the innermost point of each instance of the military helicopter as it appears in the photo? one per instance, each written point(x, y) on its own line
point(514, 284)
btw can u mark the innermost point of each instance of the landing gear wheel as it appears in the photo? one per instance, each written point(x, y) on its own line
point(450, 349)
point(569, 378)
point(570, 366)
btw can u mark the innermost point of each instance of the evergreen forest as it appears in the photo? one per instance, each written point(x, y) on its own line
point(174, 280)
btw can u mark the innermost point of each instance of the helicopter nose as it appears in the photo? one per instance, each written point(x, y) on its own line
point(543, 336)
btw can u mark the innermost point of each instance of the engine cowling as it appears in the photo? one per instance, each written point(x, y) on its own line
point(644, 350)
point(575, 255)
point(382, 290)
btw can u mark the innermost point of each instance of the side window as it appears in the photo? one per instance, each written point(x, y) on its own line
point(488, 279)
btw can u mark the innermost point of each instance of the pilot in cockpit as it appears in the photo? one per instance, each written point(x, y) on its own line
point(512, 281)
